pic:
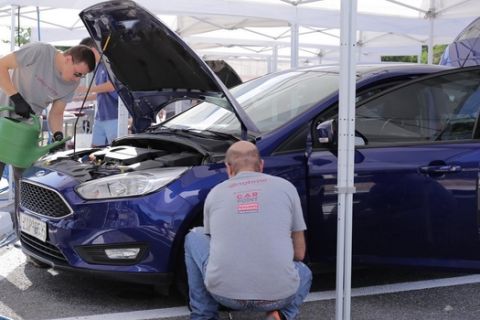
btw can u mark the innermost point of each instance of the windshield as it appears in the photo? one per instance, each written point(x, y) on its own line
point(270, 101)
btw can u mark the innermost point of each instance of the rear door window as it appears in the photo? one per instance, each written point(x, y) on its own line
point(438, 108)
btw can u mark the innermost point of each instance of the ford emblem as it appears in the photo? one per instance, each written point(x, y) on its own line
point(40, 173)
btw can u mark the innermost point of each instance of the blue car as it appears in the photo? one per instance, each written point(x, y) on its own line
point(464, 51)
point(123, 211)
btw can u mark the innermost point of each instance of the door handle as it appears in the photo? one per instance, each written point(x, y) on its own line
point(440, 169)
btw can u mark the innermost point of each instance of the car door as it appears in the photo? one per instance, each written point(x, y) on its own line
point(416, 175)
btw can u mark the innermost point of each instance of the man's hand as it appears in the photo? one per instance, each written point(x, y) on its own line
point(22, 108)
point(58, 136)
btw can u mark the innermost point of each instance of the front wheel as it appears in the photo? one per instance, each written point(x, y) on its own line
point(181, 278)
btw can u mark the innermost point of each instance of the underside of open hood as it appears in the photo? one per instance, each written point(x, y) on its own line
point(150, 65)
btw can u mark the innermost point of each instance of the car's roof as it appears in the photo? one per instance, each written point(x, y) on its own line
point(363, 70)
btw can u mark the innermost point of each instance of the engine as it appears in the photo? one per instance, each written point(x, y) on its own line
point(92, 164)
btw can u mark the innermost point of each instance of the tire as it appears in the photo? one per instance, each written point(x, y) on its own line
point(181, 279)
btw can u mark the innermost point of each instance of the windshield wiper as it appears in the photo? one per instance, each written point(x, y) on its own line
point(156, 127)
point(191, 131)
point(222, 135)
point(208, 133)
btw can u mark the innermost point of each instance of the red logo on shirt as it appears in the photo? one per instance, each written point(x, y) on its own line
point(248, 208)
point(247, 202)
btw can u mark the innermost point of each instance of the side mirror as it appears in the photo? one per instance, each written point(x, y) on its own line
point(359, 141)
point(327, 132)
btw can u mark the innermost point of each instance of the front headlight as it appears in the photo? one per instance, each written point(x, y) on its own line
point(129, 184)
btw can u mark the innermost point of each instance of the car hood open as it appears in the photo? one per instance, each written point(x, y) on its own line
point(150, 65)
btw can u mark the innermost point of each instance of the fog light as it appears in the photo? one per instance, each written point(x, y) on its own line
point(114, 253)
point(122, 253)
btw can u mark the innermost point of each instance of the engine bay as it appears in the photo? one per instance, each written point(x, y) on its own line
point(135, 154)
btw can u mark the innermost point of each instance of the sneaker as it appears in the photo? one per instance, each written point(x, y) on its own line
point(275, 315)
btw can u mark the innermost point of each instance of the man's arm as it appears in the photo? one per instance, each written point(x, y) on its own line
point(92, 94)
point(299, 246)
point(55, 116)
point(6, 63)
point(104, 87)
point(101, 88)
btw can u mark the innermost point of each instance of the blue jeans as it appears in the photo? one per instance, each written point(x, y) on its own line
point(204, 305)
point(104, 131)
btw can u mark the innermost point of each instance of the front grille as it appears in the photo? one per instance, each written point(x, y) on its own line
point(43, 201)
point(41, 248)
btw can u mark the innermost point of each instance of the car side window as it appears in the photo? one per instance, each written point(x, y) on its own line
point(362, 95)
point(439, 108)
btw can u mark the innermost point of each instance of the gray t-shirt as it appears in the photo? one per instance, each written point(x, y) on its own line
point(250, 218)
point(37, 79)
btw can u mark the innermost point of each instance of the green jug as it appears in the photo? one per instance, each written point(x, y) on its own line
point(19, 141)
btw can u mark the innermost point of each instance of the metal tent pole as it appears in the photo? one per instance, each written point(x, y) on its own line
point(294, 45)
point(122, 129)
point(13, 9)
point(430, 40)
point(274, 60)
point(346, 145)
point(12, 27)
point(38, 25)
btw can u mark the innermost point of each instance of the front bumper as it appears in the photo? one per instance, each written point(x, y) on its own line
point(52, 256)
point(78, 233)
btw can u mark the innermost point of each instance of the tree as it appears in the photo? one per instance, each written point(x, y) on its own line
point(437, 53)
point(23, 36)
point(400, 59)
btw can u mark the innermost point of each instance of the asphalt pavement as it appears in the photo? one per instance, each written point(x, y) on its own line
point(459, 302)
point(30, 293)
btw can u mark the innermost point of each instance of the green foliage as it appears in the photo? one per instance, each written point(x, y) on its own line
point(22, 36)
point(437, 53)
point(400, 59)
point(62, 48)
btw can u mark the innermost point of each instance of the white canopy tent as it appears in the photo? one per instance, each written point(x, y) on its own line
point(434, 21)
point(270, 28)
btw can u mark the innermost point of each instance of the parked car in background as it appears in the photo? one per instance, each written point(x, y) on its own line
point(225, 72)
point(123, 211)
point(464, 51)
point(222, 70)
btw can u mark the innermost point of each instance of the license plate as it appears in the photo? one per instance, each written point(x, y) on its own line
point(33, 227)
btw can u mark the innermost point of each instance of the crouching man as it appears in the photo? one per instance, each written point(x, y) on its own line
point(248, 254)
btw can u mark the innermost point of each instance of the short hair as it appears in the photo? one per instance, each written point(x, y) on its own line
point(82, 53)
point(89, 42)
point(243, 156)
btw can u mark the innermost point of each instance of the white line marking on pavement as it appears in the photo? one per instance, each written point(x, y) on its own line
point(313, 296)
point(398, 287)
point(137, 315)
point(11, 259)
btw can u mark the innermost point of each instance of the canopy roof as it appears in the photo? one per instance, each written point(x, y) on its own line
point(263, 28)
